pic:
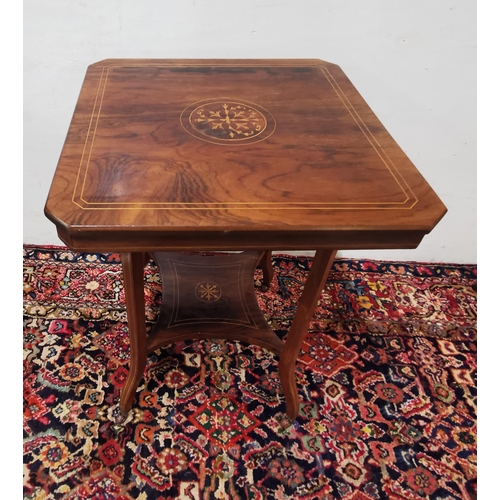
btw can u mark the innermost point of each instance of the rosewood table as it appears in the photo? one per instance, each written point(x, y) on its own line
point(168, 157)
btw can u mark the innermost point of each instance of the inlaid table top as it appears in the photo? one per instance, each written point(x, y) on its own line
point(233, 154)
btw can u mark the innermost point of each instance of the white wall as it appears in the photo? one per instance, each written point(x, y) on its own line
point(413, 61)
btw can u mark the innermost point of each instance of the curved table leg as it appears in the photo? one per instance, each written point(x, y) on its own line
point(267, 269)
point(133, 277)
point(315, 282)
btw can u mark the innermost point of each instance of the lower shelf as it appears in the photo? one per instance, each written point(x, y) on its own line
point(210, 296)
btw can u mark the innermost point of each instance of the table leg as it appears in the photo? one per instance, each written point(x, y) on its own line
point(307, 304)
point(133, 277)
point(267, 269)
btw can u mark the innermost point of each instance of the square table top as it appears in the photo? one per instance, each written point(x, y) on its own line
point(232, 154)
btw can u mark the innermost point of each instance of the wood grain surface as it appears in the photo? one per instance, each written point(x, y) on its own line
point(232, 154)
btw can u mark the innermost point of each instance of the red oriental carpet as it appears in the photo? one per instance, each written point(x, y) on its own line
point(387, 381)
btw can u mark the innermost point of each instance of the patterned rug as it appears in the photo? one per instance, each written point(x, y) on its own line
point(387, 381)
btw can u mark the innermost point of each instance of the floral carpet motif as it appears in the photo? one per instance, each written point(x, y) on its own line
point(387, 382)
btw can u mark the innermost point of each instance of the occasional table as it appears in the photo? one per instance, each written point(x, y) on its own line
point(164, 158)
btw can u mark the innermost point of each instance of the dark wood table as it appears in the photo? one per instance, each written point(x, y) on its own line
point(167, 157)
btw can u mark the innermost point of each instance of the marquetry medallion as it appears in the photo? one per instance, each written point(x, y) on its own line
point(228, 121)
point(208, 291)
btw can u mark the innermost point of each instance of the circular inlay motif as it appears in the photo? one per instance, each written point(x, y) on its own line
point(208, 291)
point(228, 121)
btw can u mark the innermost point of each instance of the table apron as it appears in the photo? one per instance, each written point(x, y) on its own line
point(123, 241)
